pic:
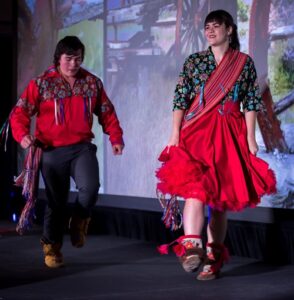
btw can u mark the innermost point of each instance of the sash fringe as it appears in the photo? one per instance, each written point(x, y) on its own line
point(236, 90)
point(193, 113)
point(4, 134)
point(29, 179)
point(88, 110)
point(59, 113)
point(172, 215)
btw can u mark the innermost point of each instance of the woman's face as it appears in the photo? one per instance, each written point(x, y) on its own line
point(217, 34)
point(70, 64)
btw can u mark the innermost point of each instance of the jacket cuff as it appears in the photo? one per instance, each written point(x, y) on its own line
point(117, 141)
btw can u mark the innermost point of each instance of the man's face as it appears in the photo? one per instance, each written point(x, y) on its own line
point(70, 64)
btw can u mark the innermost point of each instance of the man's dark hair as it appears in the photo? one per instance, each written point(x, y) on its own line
point(69, 45)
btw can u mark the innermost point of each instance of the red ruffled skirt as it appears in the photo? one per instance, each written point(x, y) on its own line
point(213, 164)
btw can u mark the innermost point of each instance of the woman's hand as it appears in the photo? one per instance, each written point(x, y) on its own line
point(253, 147)
point(174, 139)
point(27, 141)
point(250, 118)
point(176, 127)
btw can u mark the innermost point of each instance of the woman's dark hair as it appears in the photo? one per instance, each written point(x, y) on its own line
point(69, 45)
point(223, 17)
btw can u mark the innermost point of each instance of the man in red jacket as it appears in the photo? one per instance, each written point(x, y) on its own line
point(64, 99)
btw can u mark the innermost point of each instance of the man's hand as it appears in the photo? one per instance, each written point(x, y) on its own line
point(27, 141)
point(117, 149)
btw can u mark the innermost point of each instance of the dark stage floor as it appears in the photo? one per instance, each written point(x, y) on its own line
point(111, 267)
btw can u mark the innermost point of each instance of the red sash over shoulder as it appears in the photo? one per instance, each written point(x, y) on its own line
point(217, 86)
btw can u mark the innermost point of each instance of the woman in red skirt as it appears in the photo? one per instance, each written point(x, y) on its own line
point(211, 155)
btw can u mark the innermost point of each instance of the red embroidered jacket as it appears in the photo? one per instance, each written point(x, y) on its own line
point(64, 116)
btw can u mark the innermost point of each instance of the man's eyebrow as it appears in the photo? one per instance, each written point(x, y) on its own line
point(71, 56)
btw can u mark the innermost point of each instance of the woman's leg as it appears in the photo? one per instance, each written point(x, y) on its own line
point(215, 250)
point(217, 227)
point(193, 216)
point(193, 219)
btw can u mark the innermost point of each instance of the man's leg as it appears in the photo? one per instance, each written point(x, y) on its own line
point(85, 171)
point(56, 175)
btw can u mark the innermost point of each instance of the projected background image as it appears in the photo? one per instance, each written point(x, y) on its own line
point(146, 44)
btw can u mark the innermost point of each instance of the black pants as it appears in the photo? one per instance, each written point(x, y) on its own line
point(57, 166)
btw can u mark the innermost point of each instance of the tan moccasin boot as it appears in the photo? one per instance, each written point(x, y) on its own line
point(53, 255)
point(78, 229)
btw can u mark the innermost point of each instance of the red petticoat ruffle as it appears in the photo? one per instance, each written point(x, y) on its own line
point(182, 176)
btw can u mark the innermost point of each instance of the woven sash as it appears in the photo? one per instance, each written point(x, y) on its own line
point(217, 86)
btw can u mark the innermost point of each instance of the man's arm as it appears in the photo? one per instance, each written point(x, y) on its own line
point(109, 121)
point(20, 117)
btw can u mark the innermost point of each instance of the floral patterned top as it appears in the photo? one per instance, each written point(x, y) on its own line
point(197, 69)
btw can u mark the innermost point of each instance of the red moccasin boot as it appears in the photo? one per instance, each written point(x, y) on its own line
point(216, 256)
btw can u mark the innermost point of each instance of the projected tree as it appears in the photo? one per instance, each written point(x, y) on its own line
point(259, 38)
point(36, 39)
point(189, 36)
point(189, 26)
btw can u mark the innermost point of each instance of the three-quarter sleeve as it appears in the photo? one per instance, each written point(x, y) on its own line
point(252, 97)
point(183, 88)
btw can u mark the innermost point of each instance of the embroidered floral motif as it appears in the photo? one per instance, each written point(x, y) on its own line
point(197, 69)
point(24, 103)
point(188, 245)
point(105, 107)
point(52, 88)
point(56, 89)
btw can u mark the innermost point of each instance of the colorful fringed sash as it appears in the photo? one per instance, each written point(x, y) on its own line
point(172, 216)
point(29, 180)
point(217, 86)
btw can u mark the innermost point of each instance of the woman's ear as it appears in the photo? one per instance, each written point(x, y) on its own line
point(230, 30)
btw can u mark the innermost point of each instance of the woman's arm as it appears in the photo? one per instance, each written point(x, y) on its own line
point(250, 118)
point(176, 127)
point(251, 104)
point(181, 101)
